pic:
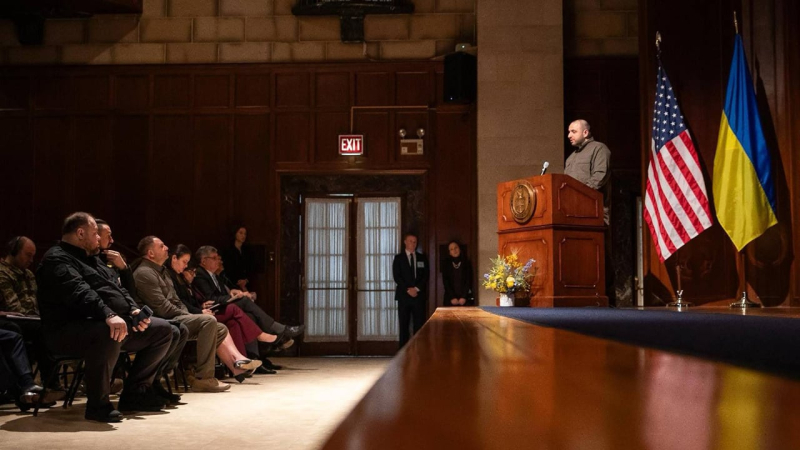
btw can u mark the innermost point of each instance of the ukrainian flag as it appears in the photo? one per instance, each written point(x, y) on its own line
point(744, 191)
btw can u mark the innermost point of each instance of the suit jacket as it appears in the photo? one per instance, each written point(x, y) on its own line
point(205, 286)
point(404, 276)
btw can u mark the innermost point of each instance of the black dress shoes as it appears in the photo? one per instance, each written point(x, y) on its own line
point(170, 399)
point(270, 365)
point(294, 331)
point(105, 413)
point(29, 397)
point(264, 371)
point(146, 400)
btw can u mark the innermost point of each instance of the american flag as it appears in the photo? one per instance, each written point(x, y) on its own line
point(676, 205)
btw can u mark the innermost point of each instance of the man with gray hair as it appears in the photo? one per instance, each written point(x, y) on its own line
point(214, 289)
point(590, 161)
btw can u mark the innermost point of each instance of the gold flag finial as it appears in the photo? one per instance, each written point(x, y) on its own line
point(735, 23)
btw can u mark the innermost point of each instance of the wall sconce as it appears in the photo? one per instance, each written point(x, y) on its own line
point(420, 132)
point(402, 133)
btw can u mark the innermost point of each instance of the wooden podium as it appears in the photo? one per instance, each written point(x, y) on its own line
point(564, 234)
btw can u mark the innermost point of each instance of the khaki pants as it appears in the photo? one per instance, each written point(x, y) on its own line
point(209, 334)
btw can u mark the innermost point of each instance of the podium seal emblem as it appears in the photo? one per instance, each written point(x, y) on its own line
point(523, 202)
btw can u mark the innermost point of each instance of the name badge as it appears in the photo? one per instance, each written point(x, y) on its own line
point(420, 264)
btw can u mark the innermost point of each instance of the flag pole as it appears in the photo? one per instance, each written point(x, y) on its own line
point(741, 267)
point(658, 44)
point(741, 263)
point(679, 303)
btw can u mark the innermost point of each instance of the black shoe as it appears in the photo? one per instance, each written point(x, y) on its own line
point(171, 399)
point(105, 413)
point(141, 401)
point(270, 365)
point(294, 331)
point(29, 397)
point(264, 371)
point(243, 376)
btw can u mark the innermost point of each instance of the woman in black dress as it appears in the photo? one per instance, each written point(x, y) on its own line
point(457, 277)
point(238, 260)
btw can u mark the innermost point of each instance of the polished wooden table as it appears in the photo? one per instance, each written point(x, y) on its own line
point(473, 380)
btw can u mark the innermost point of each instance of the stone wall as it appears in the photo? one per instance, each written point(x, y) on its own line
point(520, 105)
point(601, 28)
point(234, 31)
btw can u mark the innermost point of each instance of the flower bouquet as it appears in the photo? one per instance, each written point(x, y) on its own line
point(508, 276)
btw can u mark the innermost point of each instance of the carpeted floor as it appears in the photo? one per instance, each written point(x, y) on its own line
point(293, 410)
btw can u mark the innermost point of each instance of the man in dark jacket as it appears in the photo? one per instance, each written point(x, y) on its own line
point(410, 270)
point(86, 314)
point(117, 269)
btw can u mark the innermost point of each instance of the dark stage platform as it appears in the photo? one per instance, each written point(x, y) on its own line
point(763, 341)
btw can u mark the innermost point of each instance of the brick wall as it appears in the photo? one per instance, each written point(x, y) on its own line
point(601, 28)
point(230, 31)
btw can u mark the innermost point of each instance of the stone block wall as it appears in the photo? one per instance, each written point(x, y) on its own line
point(601, 28)
point(520, 105)
point(234, 31)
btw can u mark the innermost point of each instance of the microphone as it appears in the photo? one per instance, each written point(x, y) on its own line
point(544, 167)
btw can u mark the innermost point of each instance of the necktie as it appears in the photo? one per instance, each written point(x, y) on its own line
point(216, 283)
point(411, 260)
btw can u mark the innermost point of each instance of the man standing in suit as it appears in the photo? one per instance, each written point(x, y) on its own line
point(410, 269)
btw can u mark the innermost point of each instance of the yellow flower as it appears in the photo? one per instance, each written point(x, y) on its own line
point(510, 281)
point(493, 285)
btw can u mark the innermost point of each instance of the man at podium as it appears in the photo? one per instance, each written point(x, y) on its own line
point(589, 163)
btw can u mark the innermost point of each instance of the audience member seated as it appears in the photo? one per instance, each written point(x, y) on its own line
point(210, 287)
point(18, 301)
point(15, 371)
point(112, 264)
point(238, 259)
point(86, 315)
point(156, 291)
point(457, 278)
point(241, 328)
point(114, 259)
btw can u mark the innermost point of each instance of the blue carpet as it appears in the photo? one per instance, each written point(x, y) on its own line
point(764, 343)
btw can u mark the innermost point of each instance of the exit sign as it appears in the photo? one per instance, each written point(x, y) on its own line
point(351, 144)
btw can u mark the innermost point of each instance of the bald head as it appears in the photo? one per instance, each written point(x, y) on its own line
point(579, 132)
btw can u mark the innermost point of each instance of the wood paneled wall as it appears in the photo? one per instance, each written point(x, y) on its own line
point(186, 152)
point(697, 49)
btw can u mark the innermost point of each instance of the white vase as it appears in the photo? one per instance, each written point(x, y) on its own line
point(505, 300)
